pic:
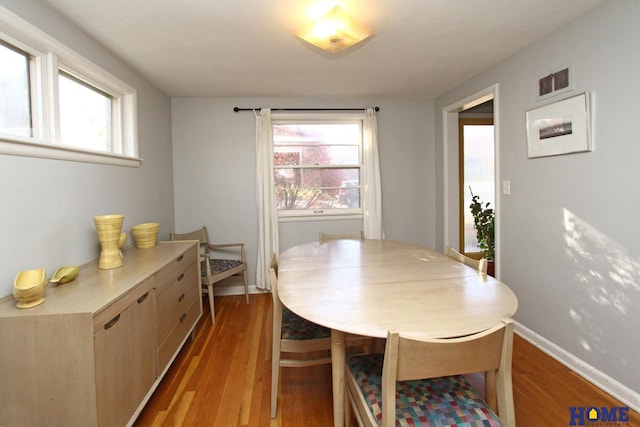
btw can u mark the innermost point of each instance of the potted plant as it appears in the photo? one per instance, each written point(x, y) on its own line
point(484, 222)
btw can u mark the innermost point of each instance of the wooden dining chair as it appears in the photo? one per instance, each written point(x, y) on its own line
point(479, 264)
point(297, 337)
point(214, 269)
point(324, 237)
point(422, 381)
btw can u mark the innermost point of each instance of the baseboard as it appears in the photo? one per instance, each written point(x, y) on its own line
point(227, 290)
point(619, 391)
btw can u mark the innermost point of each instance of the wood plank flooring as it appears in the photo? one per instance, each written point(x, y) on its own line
point(223, 378)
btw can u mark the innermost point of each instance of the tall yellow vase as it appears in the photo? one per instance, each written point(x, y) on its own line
point(109, 228)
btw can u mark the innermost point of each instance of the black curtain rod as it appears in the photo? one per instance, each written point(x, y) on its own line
point(236, 109)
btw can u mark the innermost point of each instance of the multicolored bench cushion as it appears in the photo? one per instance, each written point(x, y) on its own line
point(446, 401)
point(295, 327)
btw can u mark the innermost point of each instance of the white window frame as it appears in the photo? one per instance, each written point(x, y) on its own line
point(48, 56)
point(329, 118)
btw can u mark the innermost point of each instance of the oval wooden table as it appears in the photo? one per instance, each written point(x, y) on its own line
point(367, 287)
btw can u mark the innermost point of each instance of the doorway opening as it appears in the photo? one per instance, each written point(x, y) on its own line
point(482, 105)
point(476, 157)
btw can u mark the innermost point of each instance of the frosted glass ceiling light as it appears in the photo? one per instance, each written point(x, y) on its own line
point(334, 32)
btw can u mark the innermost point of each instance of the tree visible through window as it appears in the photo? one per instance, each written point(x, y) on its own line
point(317, 167)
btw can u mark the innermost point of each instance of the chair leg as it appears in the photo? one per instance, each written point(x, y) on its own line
point(213, 312)
point(275, 356)
point(347, 408)
point(246, 285)
point(275, 376)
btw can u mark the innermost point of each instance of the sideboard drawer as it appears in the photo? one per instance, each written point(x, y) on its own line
point(174, 301)
point(111, 311)
point(168, 348)
point(174, 271)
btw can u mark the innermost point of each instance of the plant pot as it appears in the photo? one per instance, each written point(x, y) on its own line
point(491, 268)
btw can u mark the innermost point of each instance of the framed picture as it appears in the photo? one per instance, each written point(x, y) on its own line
point(561, 127)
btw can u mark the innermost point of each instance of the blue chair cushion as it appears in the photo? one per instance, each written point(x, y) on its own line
point(219, 266)
point(446, 401)
point(295, 327)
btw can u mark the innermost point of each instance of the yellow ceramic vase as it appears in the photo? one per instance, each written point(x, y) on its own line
point(65, 274)
point(109, 228)
point(145, 234)
point(29, 287)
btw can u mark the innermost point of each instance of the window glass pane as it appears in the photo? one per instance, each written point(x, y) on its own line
point(324, 154)
point(85, 115)
point(336, 143)
point(15, 99)
point(317, 165)
point(305, 188)
point(296, 198)
point(478, 176)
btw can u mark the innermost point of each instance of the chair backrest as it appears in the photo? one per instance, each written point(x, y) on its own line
point(273, 271)
point(479, 264)
point(200, 234)
point(359, 235)
point(489, 351)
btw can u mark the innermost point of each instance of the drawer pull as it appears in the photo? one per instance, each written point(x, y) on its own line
point(184, 316)
point(112, 322)
point(180, 258)
point(143, 297)
point(180, 298)
point(180, 277)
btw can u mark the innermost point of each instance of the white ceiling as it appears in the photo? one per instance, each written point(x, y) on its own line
point(245, 48)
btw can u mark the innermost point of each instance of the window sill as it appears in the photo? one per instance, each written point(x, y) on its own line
point(325, 217)
point(30, 149)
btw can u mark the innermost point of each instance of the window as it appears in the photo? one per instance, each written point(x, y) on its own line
point(317, 166)
point(85, 114)
point(15, 105)
point(56, 104)
point(477, 175)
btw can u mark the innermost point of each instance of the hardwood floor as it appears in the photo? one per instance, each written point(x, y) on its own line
point(223, 378)
point(544, 389)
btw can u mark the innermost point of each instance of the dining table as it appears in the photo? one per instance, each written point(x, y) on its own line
point(368, 287)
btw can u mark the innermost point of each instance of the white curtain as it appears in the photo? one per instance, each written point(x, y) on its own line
point(372, 196)
point(267, 216)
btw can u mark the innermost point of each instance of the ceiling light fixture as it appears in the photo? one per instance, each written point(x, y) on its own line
point(334, 31)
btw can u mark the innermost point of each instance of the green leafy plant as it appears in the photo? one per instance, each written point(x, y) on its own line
point(484, 219)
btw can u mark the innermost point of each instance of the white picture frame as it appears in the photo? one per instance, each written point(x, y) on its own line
point(562, 127)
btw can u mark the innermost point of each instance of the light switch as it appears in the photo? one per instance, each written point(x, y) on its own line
point(506, 187)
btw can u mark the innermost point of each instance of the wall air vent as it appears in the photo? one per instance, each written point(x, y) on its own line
point(555, 83)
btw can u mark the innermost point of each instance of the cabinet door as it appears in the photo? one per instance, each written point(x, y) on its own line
point(114, 369)
point(144, 345)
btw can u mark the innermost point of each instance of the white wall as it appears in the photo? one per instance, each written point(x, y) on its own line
point(48, 206)
point(568, 231)
point(214, 164)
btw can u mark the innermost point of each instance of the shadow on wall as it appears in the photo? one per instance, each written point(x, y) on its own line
point(610, 279)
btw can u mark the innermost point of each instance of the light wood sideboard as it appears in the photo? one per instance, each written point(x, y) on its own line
point(93, 353)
